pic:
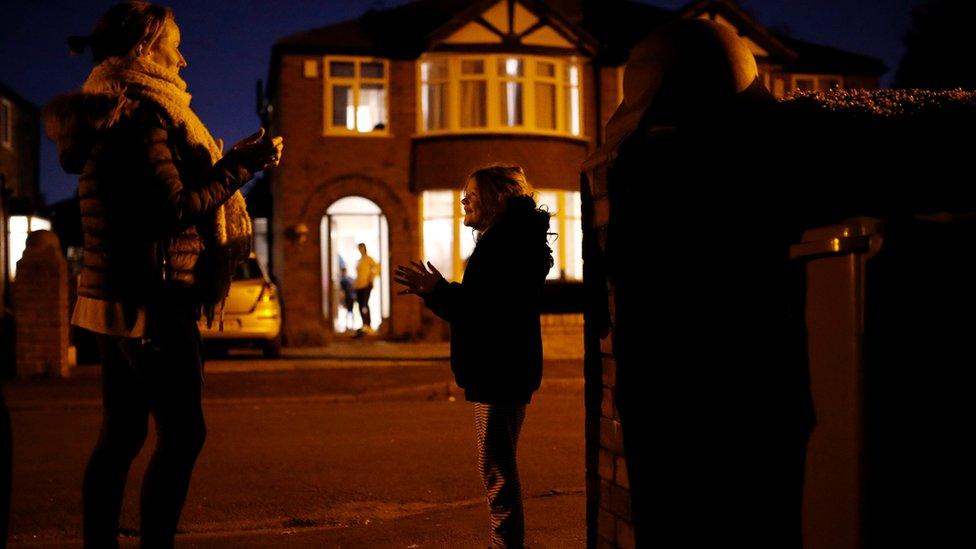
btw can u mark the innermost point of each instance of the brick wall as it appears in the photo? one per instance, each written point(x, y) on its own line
point(41, 308)
point(607, 484)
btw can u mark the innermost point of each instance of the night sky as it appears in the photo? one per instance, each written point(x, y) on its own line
point(228, 46)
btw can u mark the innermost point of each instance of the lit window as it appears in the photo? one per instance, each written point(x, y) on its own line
point(499, 93)
point(356, 96)
point(572, 95)
point(18, 227)
point(6, 123)
point(474, 95)
point(545, 95)
point(566, 223)
point(433, 94)
point(448, 243)
point(510, 90)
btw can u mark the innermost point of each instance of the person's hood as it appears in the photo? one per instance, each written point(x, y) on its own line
point(75, 120)
point(523, 212)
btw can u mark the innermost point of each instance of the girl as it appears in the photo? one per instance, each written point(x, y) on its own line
point(496, 342)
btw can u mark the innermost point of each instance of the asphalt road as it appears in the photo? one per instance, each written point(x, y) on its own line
point(314, 454)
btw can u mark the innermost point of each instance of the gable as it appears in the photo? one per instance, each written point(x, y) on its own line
point(474, 33)
point(725, 12)
point(511, 23)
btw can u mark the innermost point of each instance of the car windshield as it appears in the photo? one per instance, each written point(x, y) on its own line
point(248, 270)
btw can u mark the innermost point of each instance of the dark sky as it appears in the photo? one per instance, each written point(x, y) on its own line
point(228, 46)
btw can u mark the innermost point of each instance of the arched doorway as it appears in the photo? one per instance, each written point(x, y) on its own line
point(348, 222)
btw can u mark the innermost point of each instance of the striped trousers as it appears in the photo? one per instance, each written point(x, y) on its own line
point(498, 427)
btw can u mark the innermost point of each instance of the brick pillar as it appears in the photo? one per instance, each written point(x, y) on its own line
point(41, 308)
point(609, 522)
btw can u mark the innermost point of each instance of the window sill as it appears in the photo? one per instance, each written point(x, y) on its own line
point(356, 135)
point(501, 133)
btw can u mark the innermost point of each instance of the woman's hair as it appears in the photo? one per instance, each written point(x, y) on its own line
point(122, 29)
point(497, 183)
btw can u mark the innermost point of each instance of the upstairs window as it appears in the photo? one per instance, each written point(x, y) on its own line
point(356, 96)
point(499, 93)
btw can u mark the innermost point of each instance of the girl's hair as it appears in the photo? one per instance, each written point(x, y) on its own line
point(497, 183)
point(124, 28)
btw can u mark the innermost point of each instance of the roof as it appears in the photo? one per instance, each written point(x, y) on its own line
point(815, 58)
point(379, 32)
point(405, 32)
point(15, 97)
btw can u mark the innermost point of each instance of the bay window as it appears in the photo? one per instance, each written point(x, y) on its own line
point(448, 244)
point(499, 93)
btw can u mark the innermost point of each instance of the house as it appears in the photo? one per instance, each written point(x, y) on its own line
point(385, 115)
point(19, 181)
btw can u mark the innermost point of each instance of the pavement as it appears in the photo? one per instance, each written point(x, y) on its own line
point(355, 445)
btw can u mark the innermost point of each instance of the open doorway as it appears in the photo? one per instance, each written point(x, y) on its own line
point(347, 223)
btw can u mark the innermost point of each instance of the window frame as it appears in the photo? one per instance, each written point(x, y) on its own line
point(493, 81)
point(356, 81)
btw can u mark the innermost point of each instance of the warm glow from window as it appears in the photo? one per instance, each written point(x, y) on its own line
point(18, 227)
point(356, 96)
point(448, 244)
point(512, 67)
point(500, 94)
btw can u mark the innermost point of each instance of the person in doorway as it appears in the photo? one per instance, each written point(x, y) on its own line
point(348, 295)
point(366, 271)
point(164, 229)
point(496, 341)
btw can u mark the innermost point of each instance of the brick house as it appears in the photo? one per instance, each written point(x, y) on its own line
point(19, 167)
point(384, 116)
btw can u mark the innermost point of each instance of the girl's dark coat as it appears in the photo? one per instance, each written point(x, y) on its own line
point(496, 341)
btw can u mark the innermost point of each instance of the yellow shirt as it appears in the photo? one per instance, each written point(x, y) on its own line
point(366, 271)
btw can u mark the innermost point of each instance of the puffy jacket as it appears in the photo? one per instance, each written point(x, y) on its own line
point(496, 337)
point(145, 194)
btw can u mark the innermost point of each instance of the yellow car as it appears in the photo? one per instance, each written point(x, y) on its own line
point(252, 313)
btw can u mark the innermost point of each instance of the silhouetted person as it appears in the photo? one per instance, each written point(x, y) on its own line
point(366, 271)
point(496, 341)
point(164, 228)
point(709, 341)
point(348, 295)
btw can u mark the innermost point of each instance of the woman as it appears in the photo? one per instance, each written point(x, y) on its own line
point(496, 342)
point(164, 227)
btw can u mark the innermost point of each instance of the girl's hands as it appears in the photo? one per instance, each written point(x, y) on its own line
point(417, 278)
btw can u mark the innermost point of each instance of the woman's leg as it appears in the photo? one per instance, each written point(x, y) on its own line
point(498, 427)
point(362, 296)
point(175, 368)
point(125, 415)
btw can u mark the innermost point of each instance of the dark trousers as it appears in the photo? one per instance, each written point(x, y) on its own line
point(162, 376)
point(498, 427)
point(362, 297)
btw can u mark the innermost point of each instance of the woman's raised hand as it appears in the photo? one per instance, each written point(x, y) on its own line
point(417, 278)
point(256, 153)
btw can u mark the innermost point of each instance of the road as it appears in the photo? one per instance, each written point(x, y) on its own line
point(314, 454)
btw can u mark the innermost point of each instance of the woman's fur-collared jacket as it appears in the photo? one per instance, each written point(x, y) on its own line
point(145, 195)
point(496, 337)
